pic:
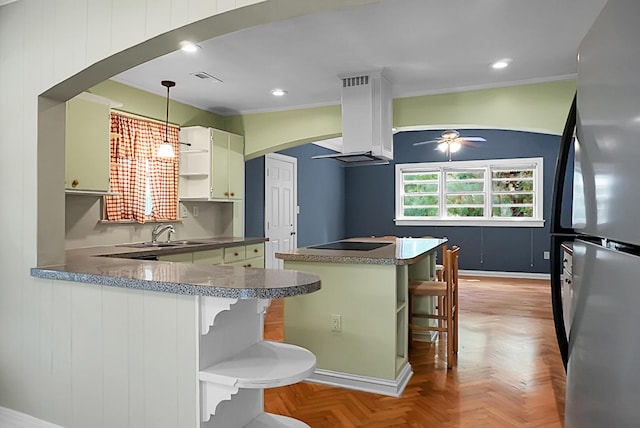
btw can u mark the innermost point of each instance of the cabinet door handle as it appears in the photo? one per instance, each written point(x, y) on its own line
point(255, 250)
point(236, 254)
point(226, 193)
point(75, 182)
point(233, 194)
point(249, 265)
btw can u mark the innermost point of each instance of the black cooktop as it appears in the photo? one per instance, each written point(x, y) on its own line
point(350, 245)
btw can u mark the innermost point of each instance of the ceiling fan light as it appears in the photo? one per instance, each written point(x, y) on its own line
point(443, 147)
point(450, 135)
point(455, 146)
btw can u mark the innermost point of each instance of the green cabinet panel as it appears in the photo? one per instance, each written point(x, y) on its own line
point(87, 144)
point(227, 165)
point(240, 255)
point(208, 257)
point(245, 256)
point(236, 167)
point(219, 164)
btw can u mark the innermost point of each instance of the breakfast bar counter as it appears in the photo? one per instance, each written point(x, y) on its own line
point(357, 324)
point(183, 340)
point(378, 251)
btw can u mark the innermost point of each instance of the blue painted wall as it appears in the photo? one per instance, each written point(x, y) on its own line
point(321, 196)
point(370, 199)
point(338, 202)
point(254, 197)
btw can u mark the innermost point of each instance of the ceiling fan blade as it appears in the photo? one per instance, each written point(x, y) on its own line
point(426, 142)
point(474, 139)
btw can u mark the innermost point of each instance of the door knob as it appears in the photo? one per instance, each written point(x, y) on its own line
point(293, 233)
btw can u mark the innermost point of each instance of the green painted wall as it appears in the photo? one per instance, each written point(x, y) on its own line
point(540, 107)
point(270, 132)
point(364, 295)
point(153, 106)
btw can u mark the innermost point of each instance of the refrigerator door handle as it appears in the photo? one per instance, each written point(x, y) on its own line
point(561, 171)
point(560, 234)
point(556, 297)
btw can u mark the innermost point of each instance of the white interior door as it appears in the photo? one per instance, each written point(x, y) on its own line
point(281, 201)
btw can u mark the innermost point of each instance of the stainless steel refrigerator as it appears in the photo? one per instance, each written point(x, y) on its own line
point(602, 354)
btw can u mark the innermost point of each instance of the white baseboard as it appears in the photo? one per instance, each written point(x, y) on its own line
point(497, 274)
point(393, 388)
point(13, 419)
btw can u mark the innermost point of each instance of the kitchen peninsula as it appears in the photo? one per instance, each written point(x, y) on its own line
point(357, 324)
point(183, 341)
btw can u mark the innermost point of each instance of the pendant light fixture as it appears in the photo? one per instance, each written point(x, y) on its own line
point(166, 149)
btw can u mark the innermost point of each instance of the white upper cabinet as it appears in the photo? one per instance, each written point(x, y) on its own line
point(212, 166)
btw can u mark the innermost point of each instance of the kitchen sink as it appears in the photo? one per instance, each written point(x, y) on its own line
point(160, 244)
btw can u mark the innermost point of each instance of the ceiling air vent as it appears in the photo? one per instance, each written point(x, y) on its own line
point(355, 81)
point(206, 76)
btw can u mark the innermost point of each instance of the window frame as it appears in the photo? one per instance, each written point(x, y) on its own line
point(537, 164)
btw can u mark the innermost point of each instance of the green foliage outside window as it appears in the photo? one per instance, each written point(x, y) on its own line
point(465, 212)
point(421, 212)
point(484, 190)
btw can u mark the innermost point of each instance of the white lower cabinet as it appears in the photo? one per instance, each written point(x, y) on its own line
point(236, 365)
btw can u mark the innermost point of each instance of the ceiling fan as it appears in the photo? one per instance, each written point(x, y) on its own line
point(451, 142)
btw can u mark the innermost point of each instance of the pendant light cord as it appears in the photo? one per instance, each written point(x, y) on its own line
point(168, 84)
point(166, 122)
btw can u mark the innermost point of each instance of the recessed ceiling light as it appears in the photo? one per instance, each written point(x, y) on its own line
point(503, 63)
point(278, 92)
point(189, 47)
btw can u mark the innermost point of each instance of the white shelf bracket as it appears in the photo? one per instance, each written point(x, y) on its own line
point(210, 307)
point(212, 395)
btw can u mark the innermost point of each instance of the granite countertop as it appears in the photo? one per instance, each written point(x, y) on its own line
point(400, 251)
point(117, 266)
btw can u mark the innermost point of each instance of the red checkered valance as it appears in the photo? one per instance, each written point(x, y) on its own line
point(134, 164)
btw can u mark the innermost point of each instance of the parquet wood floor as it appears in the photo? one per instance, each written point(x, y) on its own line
point(508, 373)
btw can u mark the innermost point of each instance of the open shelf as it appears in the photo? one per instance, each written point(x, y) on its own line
point(262, 365)
point(191, 151)
point(194, 174)
point(89, 192)
point(268, 420)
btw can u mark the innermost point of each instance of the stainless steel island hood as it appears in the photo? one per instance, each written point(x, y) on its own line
point(367, 115)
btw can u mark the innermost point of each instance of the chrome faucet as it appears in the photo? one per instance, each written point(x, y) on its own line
point(159, 229)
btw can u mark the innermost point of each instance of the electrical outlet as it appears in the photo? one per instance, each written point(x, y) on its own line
point(184, 213)
point(195, 211)
point(546, 255)
point(336, 322)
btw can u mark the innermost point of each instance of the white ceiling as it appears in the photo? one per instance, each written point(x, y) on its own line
point(426, 46)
